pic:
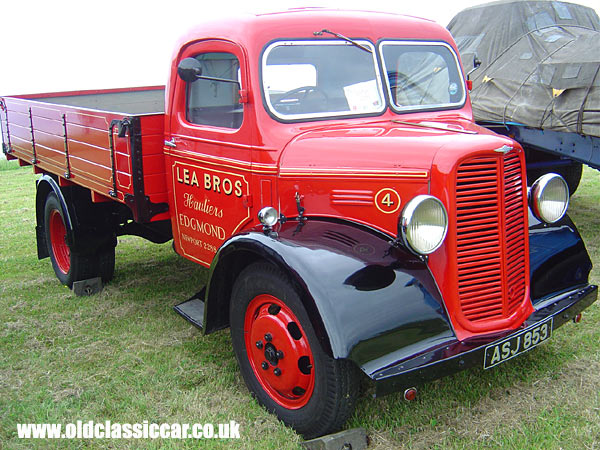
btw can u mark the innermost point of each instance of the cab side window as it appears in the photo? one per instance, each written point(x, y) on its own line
point(215, 101)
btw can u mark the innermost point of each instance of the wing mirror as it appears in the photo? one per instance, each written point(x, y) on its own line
point(189, 69)
point(476, 64)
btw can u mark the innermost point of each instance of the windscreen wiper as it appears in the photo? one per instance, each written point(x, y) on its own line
point(343, 38)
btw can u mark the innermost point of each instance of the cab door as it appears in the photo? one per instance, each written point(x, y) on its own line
point(209, 153)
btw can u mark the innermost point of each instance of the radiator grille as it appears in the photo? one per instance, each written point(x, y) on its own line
point(490, 228)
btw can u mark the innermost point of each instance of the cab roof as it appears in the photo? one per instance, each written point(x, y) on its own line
point(254, 31)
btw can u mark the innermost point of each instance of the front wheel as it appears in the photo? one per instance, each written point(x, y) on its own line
point(281, 359)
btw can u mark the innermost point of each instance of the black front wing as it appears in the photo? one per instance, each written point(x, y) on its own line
point(460, 355)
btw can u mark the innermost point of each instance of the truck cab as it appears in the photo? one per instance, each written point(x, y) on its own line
point(272, 118)
point(401, 226)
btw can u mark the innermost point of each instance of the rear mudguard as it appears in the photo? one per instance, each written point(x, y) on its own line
point(87, 225)
point(44, 185)
point(368, 300)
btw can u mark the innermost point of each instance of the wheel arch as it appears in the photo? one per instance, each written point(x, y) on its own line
point(44, 186)
point(88, 225)
point(370, 302)
point(231, 260)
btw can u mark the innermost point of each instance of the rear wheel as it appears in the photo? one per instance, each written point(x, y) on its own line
point(570, 172)
point(57, 233)
point(280, 356)
point(71, 266)
point(572, 175)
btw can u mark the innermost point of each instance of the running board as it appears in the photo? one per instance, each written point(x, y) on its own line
point(192, 310)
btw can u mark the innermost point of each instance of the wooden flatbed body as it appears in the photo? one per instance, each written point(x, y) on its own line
point(109, 141)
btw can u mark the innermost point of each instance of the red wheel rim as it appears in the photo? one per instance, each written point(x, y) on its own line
point(60, 249)
point(279, 352)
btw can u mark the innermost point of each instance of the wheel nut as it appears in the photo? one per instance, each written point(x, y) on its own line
point(259, 344)
point(268, 337)
point(277, 371)
point(265, 365)
point(279, 354)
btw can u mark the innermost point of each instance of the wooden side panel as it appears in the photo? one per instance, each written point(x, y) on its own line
point(19, 127)
point(74, 143)
point(4, 136)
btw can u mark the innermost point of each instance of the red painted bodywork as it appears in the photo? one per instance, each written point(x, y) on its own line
point(216, 180)
point(31, 119)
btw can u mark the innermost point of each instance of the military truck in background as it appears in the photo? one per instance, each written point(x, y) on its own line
point(535, 70)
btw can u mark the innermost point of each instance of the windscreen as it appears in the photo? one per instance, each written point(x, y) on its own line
point(315, 79)
point(422, 76)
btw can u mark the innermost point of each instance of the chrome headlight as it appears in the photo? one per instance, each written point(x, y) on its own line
point(423, 224)
point(268, 216)
point(549, 198)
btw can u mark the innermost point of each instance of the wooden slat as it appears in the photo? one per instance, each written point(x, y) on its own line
point(88, 145)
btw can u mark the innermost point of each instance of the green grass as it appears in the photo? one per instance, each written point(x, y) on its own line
point(124, 355)
point(7, 165)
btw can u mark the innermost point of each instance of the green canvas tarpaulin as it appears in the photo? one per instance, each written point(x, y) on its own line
point(540, 63)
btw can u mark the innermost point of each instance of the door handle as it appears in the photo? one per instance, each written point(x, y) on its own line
point(171, 143)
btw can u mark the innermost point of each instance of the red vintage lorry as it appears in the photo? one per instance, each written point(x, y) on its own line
point(326, 168)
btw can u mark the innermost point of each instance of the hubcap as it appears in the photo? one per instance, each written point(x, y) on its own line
point(60, 249)
point(289, 375)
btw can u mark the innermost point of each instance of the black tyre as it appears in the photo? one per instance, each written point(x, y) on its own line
point(572, 175)
point(70, 266)
point(281, 359)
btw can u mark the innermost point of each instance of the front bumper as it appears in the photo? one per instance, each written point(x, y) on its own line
point(456, 356)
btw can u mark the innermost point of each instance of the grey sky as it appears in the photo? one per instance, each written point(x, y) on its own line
point(89, 44)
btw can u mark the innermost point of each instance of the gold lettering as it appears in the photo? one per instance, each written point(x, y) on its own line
point(227, 186)
point(189, 201)
point(194, 179)
point(216, 184)
point(206, 228)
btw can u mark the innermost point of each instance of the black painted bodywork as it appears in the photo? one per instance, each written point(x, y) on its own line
point(558, 258)
point(88, 225)
point(141, 207)
point(374, 302)
point(460, 355)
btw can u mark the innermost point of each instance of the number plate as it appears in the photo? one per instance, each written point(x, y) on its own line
point(518, 343)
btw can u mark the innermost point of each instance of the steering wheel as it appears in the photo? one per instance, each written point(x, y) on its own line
point(302, 95)
point(401, 85)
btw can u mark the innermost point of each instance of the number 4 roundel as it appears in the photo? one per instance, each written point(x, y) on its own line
point(387, 200)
